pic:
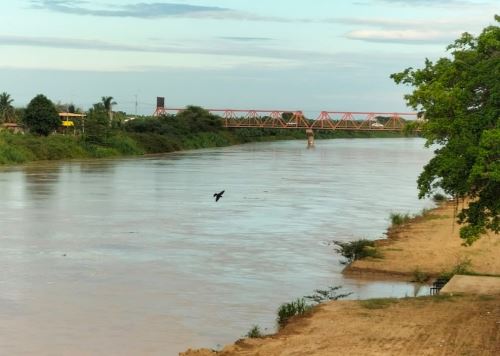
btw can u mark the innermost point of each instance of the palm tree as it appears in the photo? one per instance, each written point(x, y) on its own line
point(6, 109)
point(108, 103)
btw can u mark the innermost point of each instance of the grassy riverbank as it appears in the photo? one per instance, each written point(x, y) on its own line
point(135, 140)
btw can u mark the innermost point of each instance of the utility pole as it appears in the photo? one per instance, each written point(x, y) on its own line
point(135, 104)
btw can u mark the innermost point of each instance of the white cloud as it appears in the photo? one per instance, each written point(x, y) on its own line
point(402, 36)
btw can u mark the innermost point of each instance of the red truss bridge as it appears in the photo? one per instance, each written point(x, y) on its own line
point(326, 120)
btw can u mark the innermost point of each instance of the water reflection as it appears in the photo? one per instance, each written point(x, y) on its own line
point(104, 166)
point(41, 180)
point(139, 250)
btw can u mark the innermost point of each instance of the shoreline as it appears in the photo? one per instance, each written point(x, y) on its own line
point(16, 149)
point(429, 244)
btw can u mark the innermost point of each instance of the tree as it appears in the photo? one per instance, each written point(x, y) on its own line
point(7, 111)
point(108, 102)
point(460, 96)
point(97, 125)
point(41, 116)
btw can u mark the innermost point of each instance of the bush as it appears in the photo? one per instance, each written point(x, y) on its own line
point(399, 219)
point(439, 198)
point(288, 310)
point(9, 154)
point(254, 332)
point(155, 143)
point(96, 151)
point(419, 276)
point(462, 267)
point(356, 250)
point(125, 145)
point(324, 295)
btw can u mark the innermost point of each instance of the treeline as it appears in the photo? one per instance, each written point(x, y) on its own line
point(105, 133)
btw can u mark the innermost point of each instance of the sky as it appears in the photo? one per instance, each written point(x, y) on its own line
point(308, 55)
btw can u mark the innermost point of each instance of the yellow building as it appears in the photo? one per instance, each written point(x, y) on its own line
point(68, 121)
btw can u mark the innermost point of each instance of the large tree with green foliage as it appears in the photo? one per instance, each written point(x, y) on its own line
point(41, 116)
point(97, 129)
point(7, 111)
point(460, 97)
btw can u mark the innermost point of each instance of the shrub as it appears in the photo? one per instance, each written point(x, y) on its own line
point(356, 250)
point(254, 332)
point(439, 198)
point(125, 145)
point(101, 152)
point(419, 276)
point(288, 310)
point(463, 266)
point(9, 154)
point(324, 295)
point(399, 219)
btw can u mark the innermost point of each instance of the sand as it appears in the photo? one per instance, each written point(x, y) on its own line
point(458, 325)
point(463, 324)
point(472, 285)
point(432, 245)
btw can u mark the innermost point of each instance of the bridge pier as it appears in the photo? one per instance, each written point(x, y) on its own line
point(310, 137)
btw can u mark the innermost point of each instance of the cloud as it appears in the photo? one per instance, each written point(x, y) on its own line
point(154, 10)
point(201, 48)
point(246, 39)
point(231, 54)
point(402, 36)
point(438, 3)
point(138, 10)
point(412, 31)
point(389, 23)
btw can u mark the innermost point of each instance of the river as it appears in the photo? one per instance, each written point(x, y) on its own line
point(134, 257)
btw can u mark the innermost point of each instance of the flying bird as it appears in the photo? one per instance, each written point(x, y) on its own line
point(218, 195)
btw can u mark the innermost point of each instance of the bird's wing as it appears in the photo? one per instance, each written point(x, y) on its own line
point(222, 192)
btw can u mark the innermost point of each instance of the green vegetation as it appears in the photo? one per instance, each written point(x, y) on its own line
point(462, 267)
point(105, 133)
point(254, 332)
point(357, 250)
point(399, 219)
point(378, 303)
point(288, 310)
point(300, 305)
point(41, 116)
point(439, 198)
point(107, 104)
point(419, 276)
point(325, 295)
point(7, 111)
point(459, 97)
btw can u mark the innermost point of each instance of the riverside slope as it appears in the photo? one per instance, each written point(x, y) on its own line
point(444, 325)
point(430, 244)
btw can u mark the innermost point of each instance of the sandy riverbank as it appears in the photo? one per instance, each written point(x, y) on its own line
point(458, 325)
point(430, 244)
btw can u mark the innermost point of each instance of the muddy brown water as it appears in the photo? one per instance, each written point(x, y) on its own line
point(133, 256)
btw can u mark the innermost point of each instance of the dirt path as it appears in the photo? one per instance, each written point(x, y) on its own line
point(432, 245)
point(459, 325)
